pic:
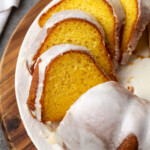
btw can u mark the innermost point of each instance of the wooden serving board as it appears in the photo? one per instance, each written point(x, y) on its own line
point(12, 125)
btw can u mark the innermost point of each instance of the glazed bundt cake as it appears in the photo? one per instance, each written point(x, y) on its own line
point(79, 28)
point(62, 74)
point(137, 17)
point(110, 15)
point(69, 67)
point(107, 117)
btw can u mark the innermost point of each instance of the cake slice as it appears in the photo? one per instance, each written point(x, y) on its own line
point(110, 15)
point(62, 74)
point(107, 117)
point(137, 17)
point(79, 28)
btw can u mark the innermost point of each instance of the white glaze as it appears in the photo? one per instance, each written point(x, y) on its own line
point(118, 10)
point(146, 143)
point(103, 117)
point(142, 22)
point(136, 73)
point(135, 121)
point(56, 18)
point(137, 76)
point(46, 59)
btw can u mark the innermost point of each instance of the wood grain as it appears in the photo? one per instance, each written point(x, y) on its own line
point(12, 125)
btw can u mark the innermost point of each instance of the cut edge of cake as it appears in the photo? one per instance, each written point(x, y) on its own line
point(140, 25)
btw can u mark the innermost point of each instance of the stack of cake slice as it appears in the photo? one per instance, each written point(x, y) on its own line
point(109, 14)
point(96, 26)
point(78, 28)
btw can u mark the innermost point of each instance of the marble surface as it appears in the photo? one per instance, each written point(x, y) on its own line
point(14, 19)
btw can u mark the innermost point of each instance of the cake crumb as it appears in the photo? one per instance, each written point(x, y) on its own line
point(131, 64)
point(131, 89)
point(140, 56)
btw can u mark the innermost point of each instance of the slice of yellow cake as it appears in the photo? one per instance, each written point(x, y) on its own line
point(110, 15)
point(137, 17)
point(62, 75)
point(79, 28)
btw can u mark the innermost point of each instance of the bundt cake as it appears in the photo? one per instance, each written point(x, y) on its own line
point(79, 28)
point(137, 17)
point(110, 15)
point(107, 117)
point(61, 75)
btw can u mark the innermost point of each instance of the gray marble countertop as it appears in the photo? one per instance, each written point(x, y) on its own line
point(14, 19)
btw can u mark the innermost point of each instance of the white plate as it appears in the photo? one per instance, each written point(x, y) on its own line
point(137, 75)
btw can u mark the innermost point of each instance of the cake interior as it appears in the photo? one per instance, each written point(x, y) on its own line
point(66, 79)
point(82, 33)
